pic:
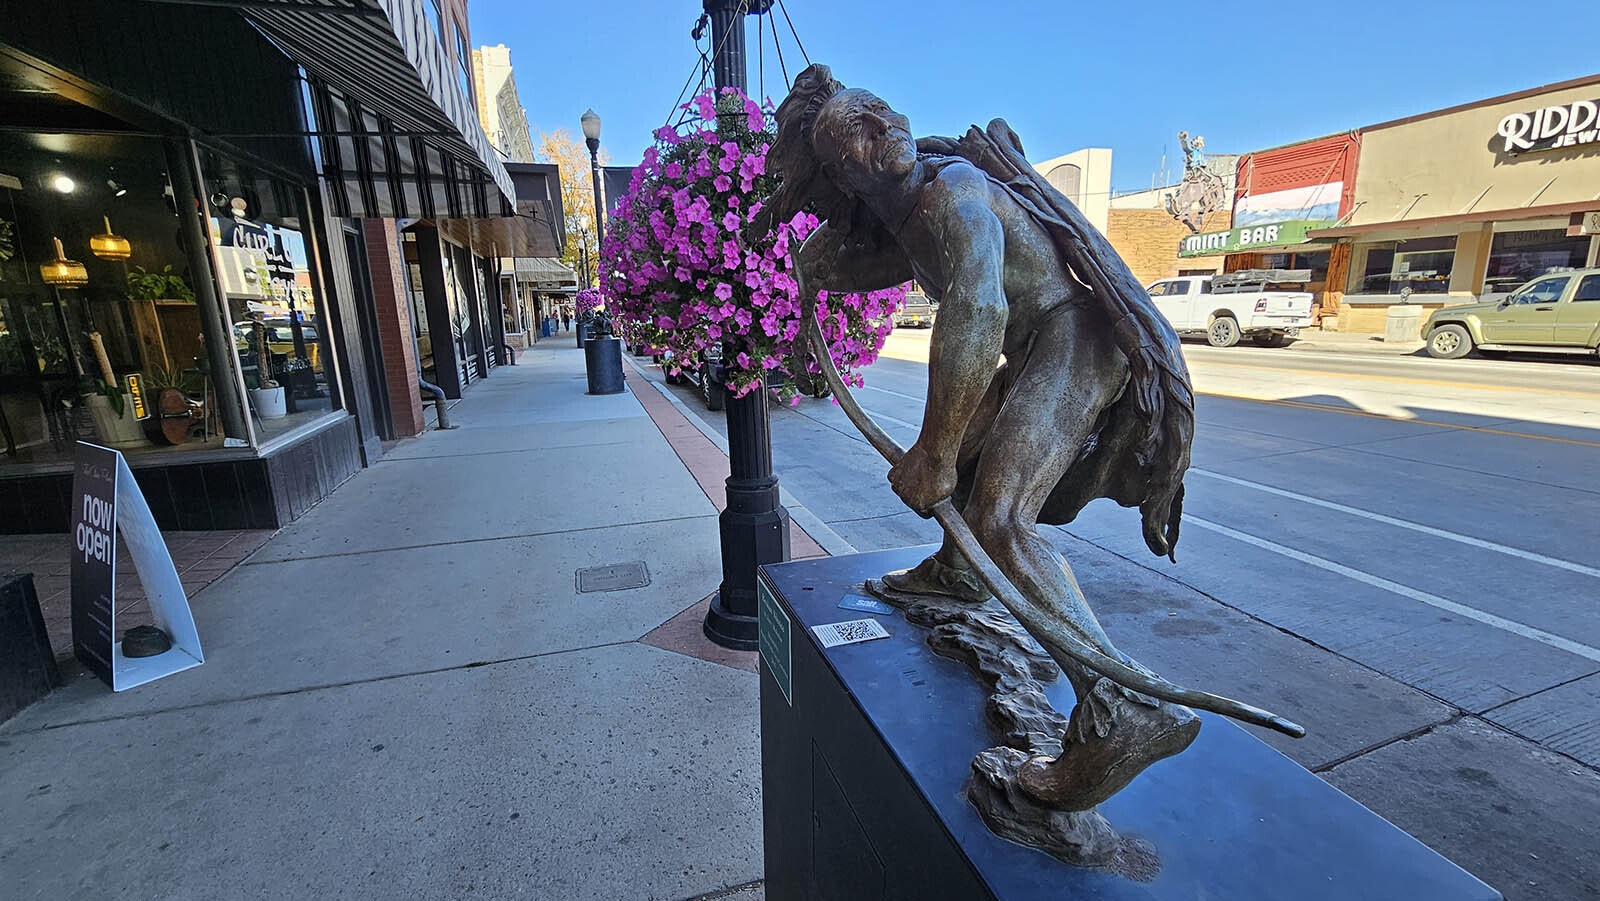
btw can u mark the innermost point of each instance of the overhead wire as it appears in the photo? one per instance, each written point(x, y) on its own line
point(798, 43)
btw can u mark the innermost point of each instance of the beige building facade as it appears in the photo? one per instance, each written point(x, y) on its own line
point(500, 110)
point(1085, 177)
point(1467, 203)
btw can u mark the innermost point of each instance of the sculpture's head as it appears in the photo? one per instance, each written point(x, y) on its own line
point(861, 142)
point(832, 143)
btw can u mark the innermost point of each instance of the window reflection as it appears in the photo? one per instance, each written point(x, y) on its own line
point(273, 308)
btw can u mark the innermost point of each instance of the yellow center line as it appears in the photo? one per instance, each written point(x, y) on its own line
point(1436, 383)
point(1328, 408)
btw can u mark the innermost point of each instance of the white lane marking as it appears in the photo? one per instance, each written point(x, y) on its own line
point(885, 417)
point(896, 393)
point(1407, 524)
point(1432, 600)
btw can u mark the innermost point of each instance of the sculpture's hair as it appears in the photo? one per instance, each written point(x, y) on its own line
point(794, 154)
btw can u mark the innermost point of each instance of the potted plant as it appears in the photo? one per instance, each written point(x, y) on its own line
point(268, 396)
point(164, 285)
point(681, 273)
point(174, 411)
point(113, 417)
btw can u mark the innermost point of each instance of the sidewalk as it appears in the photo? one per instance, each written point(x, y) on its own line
point(1350, 342)
point(405, 694)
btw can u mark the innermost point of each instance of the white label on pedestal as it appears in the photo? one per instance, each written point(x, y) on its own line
point(835, 634)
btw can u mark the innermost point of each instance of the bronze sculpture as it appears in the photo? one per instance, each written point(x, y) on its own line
point(1092, 399)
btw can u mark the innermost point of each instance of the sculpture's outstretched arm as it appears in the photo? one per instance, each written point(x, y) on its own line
point(831, 260)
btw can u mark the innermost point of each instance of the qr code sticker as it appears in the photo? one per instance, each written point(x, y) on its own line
point(835, 634)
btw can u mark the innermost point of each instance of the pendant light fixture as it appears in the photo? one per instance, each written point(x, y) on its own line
point(62, 272)
point(110, 246)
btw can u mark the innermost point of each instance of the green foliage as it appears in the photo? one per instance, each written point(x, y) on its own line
point(164, 285)
point(161, 378)
point(111, 392)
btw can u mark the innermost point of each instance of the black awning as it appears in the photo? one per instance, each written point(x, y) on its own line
point(536, 230)
point(397, 136)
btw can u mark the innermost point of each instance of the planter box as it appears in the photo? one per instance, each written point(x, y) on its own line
point(115, 430)
point(270, 403)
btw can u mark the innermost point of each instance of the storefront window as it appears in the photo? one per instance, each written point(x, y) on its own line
point(1422, 265)
point(1516, 257)
point(102, 340)
point(419, 310)
point(276, 315)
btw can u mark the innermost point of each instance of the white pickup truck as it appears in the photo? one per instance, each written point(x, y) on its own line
point(1228, 307)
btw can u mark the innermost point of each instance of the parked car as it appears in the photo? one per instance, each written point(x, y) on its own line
point(704, 373)
point(1556, 313)
point(1226, 308)
point(916, 311)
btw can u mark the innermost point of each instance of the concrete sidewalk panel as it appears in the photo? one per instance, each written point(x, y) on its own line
point(622, 772)
point(287, 626)
point(1491, 802)
point(521, 437)
point(450, 499)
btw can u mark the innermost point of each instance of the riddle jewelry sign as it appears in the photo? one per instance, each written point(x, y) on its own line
point(1573, 125)
point(106, 502)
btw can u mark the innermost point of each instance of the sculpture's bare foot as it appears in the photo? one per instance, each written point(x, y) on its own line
point(931, 577)
point(1111, 738)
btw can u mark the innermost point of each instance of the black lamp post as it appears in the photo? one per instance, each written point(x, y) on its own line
point(754, 528)
point(590, 120)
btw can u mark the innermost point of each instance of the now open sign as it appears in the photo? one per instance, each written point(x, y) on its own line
point(106, 503)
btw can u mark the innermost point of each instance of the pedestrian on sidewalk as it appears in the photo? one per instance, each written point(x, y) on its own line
point(566, 320)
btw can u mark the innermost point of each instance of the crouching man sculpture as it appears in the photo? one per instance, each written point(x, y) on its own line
point(1092, 399)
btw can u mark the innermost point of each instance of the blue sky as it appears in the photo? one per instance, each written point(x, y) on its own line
point(1124, 74)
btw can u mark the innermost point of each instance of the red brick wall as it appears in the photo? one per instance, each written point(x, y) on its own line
point(394, 325)
point(1301, 165)
point(1148, 242)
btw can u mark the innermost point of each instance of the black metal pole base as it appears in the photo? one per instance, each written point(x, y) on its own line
point(730, 630)
point(754, 530)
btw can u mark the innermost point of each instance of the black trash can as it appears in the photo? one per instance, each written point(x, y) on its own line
point(583, 332)
point(602, 359)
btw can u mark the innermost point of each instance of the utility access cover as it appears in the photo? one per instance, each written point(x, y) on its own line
point(614, 577)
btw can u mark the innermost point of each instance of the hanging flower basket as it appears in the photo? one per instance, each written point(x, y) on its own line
point(677, 272)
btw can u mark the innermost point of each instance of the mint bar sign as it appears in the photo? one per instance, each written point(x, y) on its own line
point(1572, 125)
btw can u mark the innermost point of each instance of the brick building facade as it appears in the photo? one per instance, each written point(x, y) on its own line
point(1148, 241)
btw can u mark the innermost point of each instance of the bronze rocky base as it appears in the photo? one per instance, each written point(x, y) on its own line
point(991, 643)
point(1080, 837)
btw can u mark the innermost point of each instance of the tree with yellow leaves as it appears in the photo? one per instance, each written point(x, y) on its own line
point(577, 199)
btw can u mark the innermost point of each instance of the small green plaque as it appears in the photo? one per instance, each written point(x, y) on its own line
point(773, 631)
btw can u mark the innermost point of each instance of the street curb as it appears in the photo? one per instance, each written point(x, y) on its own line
point(799, 513)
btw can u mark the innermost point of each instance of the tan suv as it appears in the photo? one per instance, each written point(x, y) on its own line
point(1555, 313)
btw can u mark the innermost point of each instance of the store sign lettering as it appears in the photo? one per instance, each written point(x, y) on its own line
point(1234, 240)
point(1551, 127)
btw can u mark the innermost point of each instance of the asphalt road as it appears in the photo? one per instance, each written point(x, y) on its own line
point(1401, 553)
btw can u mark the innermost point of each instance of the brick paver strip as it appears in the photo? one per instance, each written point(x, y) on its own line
point(705, 460)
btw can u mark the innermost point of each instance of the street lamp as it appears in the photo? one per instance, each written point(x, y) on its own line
point(591, 136)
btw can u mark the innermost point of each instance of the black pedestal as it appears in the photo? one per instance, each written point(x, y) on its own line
point(602, 362)
point(582, 331)
point(865, 749)
point(27, 665)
